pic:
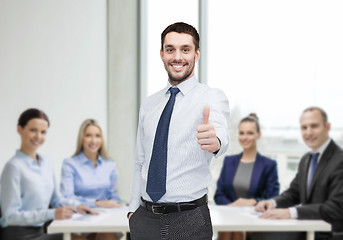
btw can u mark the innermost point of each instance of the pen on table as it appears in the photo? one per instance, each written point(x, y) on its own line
point(72, 208)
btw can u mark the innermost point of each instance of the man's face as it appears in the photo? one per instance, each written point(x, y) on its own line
point(313, 129)
point(179, 56)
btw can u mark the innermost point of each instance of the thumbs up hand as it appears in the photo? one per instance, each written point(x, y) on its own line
point(206, 135)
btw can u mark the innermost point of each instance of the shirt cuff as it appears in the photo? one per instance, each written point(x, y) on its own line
point(51, 213)
point(134, 205)
point(221, 149)
point(90, 203)
point(293, 212)
point(75, 203)
point(273, 202)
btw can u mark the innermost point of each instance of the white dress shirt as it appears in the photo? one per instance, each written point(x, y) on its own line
point(188, 173)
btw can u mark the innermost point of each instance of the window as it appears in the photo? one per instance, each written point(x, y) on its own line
point(292, 164)
point(276, 58)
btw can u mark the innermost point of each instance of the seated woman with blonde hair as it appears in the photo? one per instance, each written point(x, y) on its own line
point(248, 177)
point(89, 176)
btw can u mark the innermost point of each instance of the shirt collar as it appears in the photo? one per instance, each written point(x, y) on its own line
point(28, 158)
point(322, 148)
point(85, 160)
point(186, 86)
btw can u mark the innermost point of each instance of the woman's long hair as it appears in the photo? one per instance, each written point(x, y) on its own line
point(79, 146)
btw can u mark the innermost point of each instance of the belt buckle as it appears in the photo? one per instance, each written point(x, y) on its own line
point(154, 209)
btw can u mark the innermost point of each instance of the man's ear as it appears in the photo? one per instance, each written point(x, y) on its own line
point(328, 126)
point(197, 54)
point(161, 54)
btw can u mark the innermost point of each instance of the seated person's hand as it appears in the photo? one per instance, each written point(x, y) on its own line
point(107, 204)
point(276, 214)
point(243, 202)
point(82, 209)
point(129, 215)
point(263, 206)
point(64, 212)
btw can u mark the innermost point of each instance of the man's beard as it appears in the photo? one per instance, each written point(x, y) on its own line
point(180, 78)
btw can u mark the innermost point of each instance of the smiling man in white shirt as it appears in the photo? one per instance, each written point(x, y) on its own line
point(197, 129)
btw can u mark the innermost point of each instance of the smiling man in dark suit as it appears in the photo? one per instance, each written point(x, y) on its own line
point(318, 184)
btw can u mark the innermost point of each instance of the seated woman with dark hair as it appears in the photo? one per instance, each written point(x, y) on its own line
point(248, 177)
point(28, 179)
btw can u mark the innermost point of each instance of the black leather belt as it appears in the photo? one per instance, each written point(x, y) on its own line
point(164, 208)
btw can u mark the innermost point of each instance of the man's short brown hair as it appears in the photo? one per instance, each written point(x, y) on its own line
point(181, 27)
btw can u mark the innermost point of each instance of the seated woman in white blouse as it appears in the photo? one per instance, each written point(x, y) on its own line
point(28, 186)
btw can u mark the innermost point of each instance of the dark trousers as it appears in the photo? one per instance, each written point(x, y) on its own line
point(28, 233)
point(193, 224)
point(337, 236)
point(289, 236)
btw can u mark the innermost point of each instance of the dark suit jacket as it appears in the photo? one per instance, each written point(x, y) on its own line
point(326, 190)
point(264, 182)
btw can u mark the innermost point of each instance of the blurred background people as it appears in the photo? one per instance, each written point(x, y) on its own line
point(28, 179)
point(248, 177)
point(89, 176)
point(316, 192)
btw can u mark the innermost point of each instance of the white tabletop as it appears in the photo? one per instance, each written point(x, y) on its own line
point(223, 219)
point(108, 220)
point(245, 219)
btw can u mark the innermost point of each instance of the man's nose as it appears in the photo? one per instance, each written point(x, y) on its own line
point(308, 131)
point(178, 54)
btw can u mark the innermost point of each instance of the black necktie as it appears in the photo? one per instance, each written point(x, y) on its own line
point(156, 184)
point(312, 168)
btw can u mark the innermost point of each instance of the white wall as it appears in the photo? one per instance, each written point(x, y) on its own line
point(123, 88)
point(53, 57)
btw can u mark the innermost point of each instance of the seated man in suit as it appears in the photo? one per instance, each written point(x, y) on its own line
point(318, 184)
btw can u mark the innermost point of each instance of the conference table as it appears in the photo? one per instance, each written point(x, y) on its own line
point(223, 219)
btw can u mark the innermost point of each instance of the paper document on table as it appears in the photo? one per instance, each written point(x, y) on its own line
point(248, 211)
point(103, 210)
point(255, 214)
point(86, 217)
